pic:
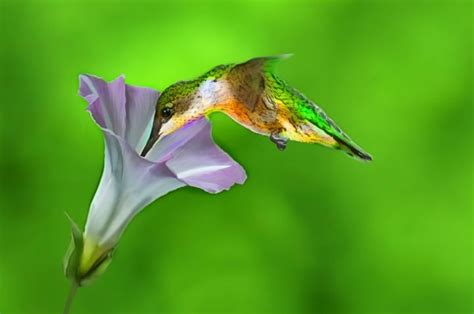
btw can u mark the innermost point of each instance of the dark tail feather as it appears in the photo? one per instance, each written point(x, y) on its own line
point(353, 150)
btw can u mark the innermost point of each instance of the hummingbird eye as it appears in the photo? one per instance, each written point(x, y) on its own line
point(166, 112)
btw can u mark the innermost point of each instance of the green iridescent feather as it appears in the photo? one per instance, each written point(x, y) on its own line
point(305, 109)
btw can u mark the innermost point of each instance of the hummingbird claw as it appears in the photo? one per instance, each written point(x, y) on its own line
point(279, 140)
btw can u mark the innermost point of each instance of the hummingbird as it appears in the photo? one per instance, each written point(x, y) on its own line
point(251, 94)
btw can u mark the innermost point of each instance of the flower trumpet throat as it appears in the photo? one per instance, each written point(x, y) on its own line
point(94, 259)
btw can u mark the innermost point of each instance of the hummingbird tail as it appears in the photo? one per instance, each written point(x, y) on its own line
point(353, 150)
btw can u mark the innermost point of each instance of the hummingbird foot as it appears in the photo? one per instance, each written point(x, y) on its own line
point(279, 140)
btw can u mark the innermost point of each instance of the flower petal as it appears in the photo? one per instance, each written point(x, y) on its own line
point(202, 164)
point(122, 109)
point(140, 107)
point(164, 148)
point(106, 102)
point(128, 184)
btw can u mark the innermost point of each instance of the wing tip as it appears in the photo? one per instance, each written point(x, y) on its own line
point(354, 151)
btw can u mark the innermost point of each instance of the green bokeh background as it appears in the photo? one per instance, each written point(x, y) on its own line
point(311, 231)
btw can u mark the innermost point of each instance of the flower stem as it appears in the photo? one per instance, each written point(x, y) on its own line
point(70, 297)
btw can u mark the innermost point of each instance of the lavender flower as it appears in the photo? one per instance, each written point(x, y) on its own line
point(130, 182)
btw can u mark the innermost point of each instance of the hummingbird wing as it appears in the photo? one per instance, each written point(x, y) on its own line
point(248, 80)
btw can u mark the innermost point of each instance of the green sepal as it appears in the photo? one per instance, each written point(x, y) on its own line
point(73, 255)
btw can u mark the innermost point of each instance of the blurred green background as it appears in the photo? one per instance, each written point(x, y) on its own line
point(311, 231)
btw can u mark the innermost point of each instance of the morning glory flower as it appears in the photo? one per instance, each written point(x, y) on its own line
point(187, 157)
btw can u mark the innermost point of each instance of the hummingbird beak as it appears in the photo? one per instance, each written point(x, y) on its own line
point(154, 136)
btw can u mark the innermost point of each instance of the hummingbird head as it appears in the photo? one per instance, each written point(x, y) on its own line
point(186, 101)
point(172, 111)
